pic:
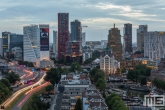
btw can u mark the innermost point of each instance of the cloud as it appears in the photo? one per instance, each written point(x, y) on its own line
point(98, 15)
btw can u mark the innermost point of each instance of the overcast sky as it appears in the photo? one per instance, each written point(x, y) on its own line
point(98, 15)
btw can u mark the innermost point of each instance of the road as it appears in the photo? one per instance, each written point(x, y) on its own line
point(16, 94)
point(26, 96)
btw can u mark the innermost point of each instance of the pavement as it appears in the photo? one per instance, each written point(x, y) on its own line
point(54, 102)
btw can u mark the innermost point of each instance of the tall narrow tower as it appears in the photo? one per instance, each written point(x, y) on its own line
point(128, 37)
point(114, 42)
point(63, 33)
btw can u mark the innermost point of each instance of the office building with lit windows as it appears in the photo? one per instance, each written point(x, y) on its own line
point(114, 42)
point(36, 43)
point(10, 41)
point(63, 34)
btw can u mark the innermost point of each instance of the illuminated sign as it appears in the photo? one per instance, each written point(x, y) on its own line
point(44, 39)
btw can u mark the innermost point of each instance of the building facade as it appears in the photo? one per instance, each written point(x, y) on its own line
point(154, 45)
point(76, 31)
point(5, 42)
point(36, 43)
point(70, 89)
point(63, 33)
point(127, 37)
point(1, 46)
point(114, 42)
point(11, 40)
point(17, 51)
point(55, 42)
point(74, 48)
point(92, 100)
point(129, 64)
point(87, 55)
point(140, 36)
point(107, 62)
point(83, 39)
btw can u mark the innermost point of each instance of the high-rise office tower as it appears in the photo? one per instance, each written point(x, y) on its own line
point(11, 40)
point(74, 49)
point(55, 42)
point(63, 33)
point(83, 39)
point(140, 36)
point(76, 31)
point(128, 37)
point(154, 47)
point(114, 42)
point(5, 36)
point(36, 43)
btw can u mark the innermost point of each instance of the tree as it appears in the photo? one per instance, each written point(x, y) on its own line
point(93, 72)
point(78, 105)
point(75, 67)
point(49, 87)
point(148, 72)
point(12, 77)
point(97, 76)
point(118, 71)
point(53, 75)
point(123, 70)
point(114, 102)
point(5, 82)
point(142, 79)
point(100, 84)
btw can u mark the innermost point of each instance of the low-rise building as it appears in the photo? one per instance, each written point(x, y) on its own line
point(159, 72)
point(129, 64)
point(70, 89)
point(93, 100)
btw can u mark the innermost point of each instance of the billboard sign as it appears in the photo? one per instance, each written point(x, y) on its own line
point(44, 39)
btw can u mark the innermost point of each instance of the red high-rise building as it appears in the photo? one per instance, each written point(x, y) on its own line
point(63, 33)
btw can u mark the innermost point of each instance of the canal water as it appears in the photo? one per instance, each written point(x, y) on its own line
point(135, 93)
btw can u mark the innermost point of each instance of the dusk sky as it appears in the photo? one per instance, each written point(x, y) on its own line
point(98, 15)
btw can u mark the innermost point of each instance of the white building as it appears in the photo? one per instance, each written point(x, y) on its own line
point(55, 43)
point(87, 55)
point(36, 43)
point(83, 39)
point(107, 62)
point(154, 45)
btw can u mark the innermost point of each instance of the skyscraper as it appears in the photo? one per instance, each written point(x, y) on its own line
point(76, 31)
point(36, 43)
point(128, 37)
point(5, 36)
point(154, 47)
point(74, 48)
point(114, 42)
point(55, 42)
point(140, 36)
point(63, 33)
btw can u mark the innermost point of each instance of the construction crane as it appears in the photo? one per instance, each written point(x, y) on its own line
point(84, 26)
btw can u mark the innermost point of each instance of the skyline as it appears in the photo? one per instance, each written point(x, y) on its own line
point(98, 16)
